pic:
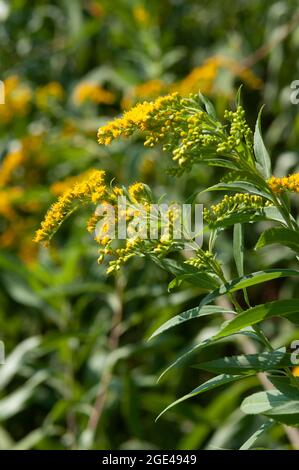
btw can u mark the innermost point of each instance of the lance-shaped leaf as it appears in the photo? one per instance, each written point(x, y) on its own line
point(255, 436)
point(248, 281)
point(249, 363)
point(190, 314)
point(254, 315)
point(260, 151)
point(275, 405)
point(281, 235)
point(206, 386)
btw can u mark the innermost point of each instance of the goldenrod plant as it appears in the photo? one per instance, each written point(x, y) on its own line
point(189, 130)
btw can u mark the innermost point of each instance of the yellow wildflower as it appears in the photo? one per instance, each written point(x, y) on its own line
point(295, 371)
point(286, 183)
point(238, 203)
point(135, 190)
point(135, 118)
point(59, 187)
point(87, 190)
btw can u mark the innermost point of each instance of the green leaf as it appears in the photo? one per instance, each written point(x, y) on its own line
point(283, 384)
point(272, 213)
point(241, 217)
point(16, 401)
point(189, 315)
point(238, 247)
point(243, 186)
point(260, 151)
point(198, 347)
point(249, 363)
point(34, 437)
point(248, 281)
point(185, 355)
point(273, 404)
point(15, 361)
point(280, 308)
point(238, 96)
point(281, 235)
point(199, 279)
point(208, 105)
point(249, 443)
point(174, 267)
point(209, 385)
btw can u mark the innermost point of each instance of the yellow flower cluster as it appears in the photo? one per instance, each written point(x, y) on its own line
point(132, 120)
point(105, 222)
point(286, 183)
point(89, 190)
point(238, 203)
point(17, 99)
point(91, 92)
point(136, 191)
point(46, 94)
point(187, 130)
point(200, 78)
point(60, 187)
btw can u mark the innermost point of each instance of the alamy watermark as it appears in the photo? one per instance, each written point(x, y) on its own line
point(180, 222)
point(294, 96)
point(295, 354)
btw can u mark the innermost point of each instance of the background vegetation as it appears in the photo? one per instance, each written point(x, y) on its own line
point(79, 370)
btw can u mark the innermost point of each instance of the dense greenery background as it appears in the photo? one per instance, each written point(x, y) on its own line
point(73, 336)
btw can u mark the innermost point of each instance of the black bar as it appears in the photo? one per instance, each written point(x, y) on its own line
point(143, 458)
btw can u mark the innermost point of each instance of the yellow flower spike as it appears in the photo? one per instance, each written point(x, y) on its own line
point(295, 371)
point(135, 190)
point(134, 119)
point(86, 191)
point(60, 187)
point(230, 204)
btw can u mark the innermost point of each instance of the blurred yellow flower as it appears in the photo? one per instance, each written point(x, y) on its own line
point(59, 187)
point(91, 92)
point(11, 162)
point(45, 94)
point(201, 78)
point(141, 15)
point(17, 99)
